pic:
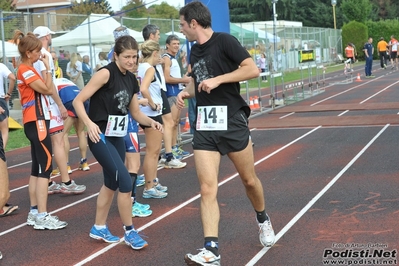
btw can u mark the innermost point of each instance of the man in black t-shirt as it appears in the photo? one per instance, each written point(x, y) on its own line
point(219, 63)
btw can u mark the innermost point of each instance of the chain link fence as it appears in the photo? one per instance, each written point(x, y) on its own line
point(280, 44)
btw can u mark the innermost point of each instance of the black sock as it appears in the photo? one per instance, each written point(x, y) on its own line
point(212, 244)
point(169, 156)
point(67, 183)
point(261, 216)
point(134, 180)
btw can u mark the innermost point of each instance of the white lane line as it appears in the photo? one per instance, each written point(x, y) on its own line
point(104, 250)
point(55, 211)
point(54, 176)
point(344, 112)
point(284, 116)
point(379, 92)
point(263, 251)
point(345, 91)
point(20, 164)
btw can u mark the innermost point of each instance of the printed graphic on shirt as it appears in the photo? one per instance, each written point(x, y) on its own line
point(28, 74)
point(203, 69)
point(123, 99)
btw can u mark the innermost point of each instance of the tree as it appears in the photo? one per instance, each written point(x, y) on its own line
point(85, 8)
point(163, 10)
point(10, 22)
point(357, 10)
point(7, 5)
point(135, 9)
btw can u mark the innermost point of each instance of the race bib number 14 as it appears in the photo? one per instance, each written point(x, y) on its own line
point(116, 126)
point(212, 118)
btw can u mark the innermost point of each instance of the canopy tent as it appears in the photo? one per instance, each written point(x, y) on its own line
point(249, 30)
point(178, 34)
point(268, 36)
point(243, 35)
point(164, 36)
point(101, 32)
point(10, 49)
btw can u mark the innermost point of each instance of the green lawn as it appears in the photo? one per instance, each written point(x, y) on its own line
point(17, 139)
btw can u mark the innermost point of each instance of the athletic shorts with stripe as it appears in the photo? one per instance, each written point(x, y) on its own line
point(41, 150)
point(6, 113)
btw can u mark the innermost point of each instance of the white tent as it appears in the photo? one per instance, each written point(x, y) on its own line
point(178, 34)
point(99, 26)
point(270, 37)
point(11, 50)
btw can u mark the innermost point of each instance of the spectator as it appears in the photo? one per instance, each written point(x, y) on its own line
point(5, 74)
point(174, 84)
point(87, 69)
point(103, 60)
point(63, 62)
point(36, 127)
point(74, 71)
point(57, 70)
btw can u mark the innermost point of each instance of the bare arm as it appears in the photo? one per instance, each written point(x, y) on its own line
point(141, 117)
point(168, 78)
point(11, 84)
point(247, 70)
point(99, 79)
point(145, 85)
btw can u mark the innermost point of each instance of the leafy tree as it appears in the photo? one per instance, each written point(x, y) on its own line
point(357, 10)
point(7, 5)
point(10, 22)
point(163, 10)
point(135, 9)
point(85, 8)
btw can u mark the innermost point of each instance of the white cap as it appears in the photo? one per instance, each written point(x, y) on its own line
point(42, 31)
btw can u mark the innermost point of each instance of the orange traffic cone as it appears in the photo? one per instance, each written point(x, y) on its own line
point(358, 77)
point(251, 103)
point(187, 124)
point(256, 102)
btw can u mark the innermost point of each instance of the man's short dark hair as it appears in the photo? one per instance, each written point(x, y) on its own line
point(171, 38)
point(198, 11)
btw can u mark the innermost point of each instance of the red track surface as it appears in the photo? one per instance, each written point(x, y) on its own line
point(325, 187)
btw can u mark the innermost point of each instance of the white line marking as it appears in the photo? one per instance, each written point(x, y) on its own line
point(284, 116)
point(102, 251)
point(342, 92)
point(263, 251)
point(379, 92)
point(55, 211)
point(344, 112)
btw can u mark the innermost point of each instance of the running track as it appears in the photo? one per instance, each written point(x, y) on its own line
point(329, 166)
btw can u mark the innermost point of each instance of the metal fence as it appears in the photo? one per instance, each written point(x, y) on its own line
point(279, 43)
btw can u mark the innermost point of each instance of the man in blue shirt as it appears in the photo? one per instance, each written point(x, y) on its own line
point(87, 69)
point(368, 50)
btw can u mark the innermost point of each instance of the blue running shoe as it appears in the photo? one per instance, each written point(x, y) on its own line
point(141, 206)
point(103, 234)
point(180, 151)
point(134, 240)
point(140, 212)
point(140, 181)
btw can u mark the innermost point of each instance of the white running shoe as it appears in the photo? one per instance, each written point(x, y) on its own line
point(204, 257)
point(49, 222)
point(266, 233)
point(174, 163)
point(154, 193)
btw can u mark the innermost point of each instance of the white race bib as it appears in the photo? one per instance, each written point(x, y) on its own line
point(212, 118)
point(116, 126)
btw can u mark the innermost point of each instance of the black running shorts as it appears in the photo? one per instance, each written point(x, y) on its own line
point(234, 139)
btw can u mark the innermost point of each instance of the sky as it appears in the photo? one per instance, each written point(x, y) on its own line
point(117, 4)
